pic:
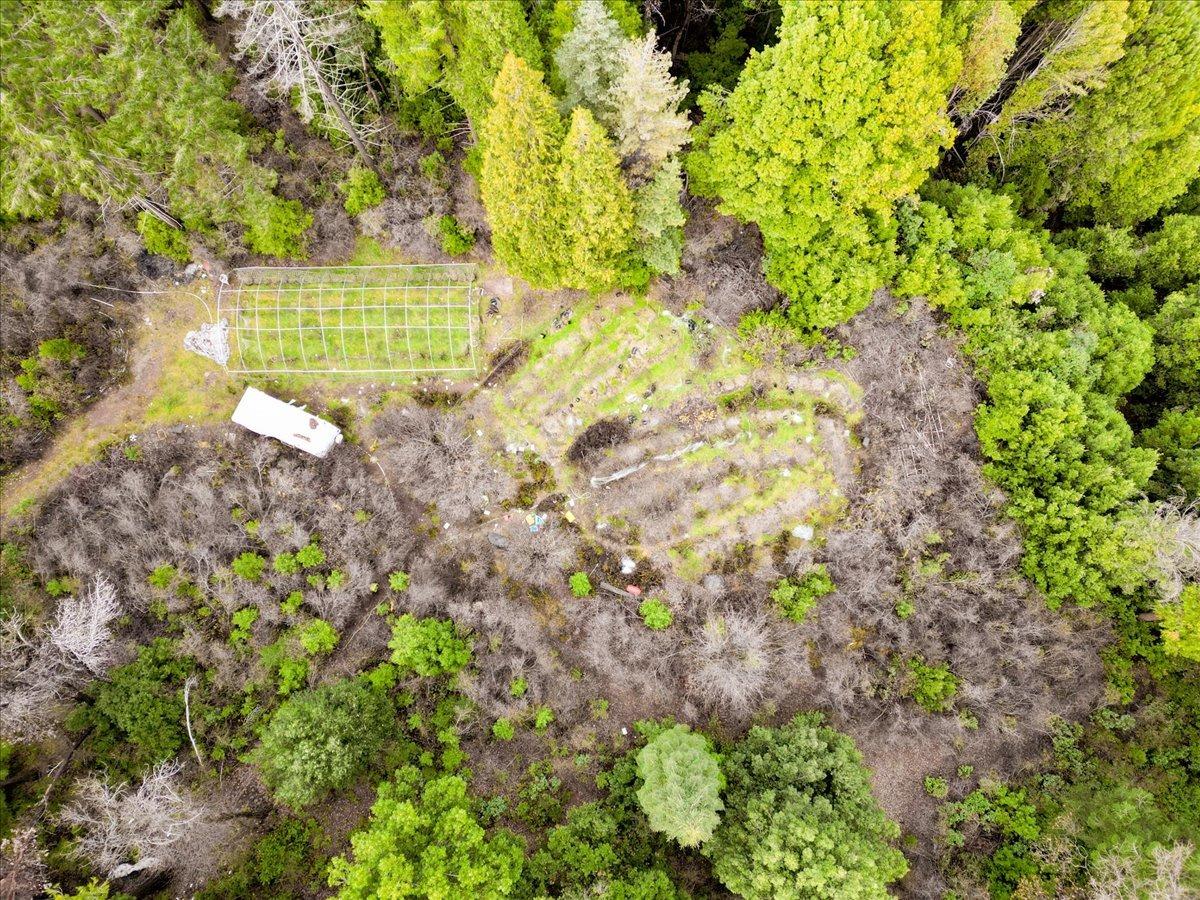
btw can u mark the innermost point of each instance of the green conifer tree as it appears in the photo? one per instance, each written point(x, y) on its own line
point(595, 215)
point(458, 45)
point(522, 139)
point(681, 784)
point(825, 130)
point(1108, 126)
point(659, 219)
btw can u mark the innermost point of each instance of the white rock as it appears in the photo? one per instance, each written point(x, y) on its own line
point(804, 532)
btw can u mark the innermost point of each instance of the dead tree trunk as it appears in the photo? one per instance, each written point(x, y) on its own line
point(332, 102)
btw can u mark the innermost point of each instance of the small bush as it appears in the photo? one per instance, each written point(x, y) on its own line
point(362, 190)
point(243, 621)
point(398, 581)
point(456, 239)
point(502, 730)
point(61, 350)
point(161, 239)
point(936, 787)
point(162, 577)
point(291, 605)
point(581, 586)
point(433, 166)
point(286, 564)
point(543, 718)
point(933, 687)
point(318, 637)
point(794, 597)
point(311, 555)
point(518, 687)
point(275, 227)
point(655, 614)
point(428, 647)
point(249, 566)
point(321, 740)
point(904, 609)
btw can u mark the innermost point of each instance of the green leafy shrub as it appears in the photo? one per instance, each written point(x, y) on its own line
point(391, 857)
point(286, 564)
point(243, 620)
point(398, 581)
point(541, 797)
point(275, 227)
point(518, 687)
point(502, 730)
point(655, 614)
point(317, 637)
point(291, 604)
point(581, 585)
point(456, 239)
point(543, 718)
point(904, 609)
point(800, 820)
point(936, 787)
point(794, 597)
point(681, 787)
point(428, 647)
point(162, 577)
point(249, 566)
point(63, 350)
point(1180, 624)
point(288, 855)
point(321, 740)
point(137, 714)
point(310, 555)
point(932, 687)
point(362, 190)
point(162, 239)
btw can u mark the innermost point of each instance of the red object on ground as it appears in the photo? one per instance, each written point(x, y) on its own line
point(634, 589)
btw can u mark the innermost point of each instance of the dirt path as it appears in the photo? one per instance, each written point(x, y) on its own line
point(166, 385)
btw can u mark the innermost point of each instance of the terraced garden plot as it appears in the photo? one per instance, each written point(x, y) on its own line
point(721, 452)
point(366, 320)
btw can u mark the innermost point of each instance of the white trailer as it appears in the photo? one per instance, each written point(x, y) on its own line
point(294, 425)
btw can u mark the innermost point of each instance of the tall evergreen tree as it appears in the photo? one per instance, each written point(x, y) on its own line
point(458, 45)
point(1104, 121)
point(124, 103)
point(595, 208)
point(588, 59)
point(659, 219)
point(522, 137)
point(1134, 145)
point(644, 106)
point(992, 28)
point(825, 130)
point(681, 785)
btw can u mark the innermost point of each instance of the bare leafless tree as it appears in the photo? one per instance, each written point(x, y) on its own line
point(1123, 876)
point(296, 50)
point(80, 633)
point(124, 829)
point(36, 670)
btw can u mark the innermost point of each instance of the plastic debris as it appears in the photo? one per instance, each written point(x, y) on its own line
point(536, 522)
point(627, 565)
point(633, 589)
point(210, 340)
point(804, 532)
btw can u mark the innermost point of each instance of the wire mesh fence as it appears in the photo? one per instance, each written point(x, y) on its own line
point(357, 320)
